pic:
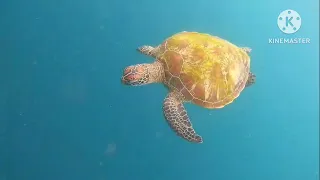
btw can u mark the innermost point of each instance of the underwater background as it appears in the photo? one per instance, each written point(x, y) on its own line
point(64, 115)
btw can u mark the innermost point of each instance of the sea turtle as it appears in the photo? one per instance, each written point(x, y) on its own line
point(196, 67)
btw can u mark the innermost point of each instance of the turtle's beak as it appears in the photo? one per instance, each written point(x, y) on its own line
point(125, 81)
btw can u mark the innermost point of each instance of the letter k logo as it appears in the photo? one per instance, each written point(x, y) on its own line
point(289, 21)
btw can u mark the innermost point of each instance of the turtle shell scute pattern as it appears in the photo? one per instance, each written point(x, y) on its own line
point(206, 70)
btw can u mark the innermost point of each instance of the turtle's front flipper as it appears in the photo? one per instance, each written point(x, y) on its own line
point(148, 50)
point(251, 79)
point(178, 119)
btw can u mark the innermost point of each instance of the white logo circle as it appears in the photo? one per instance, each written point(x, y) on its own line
point(289, 21)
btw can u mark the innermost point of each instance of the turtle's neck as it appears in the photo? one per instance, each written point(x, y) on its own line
point(156, 72)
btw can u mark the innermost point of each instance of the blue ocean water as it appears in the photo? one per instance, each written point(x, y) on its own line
point(65, 115)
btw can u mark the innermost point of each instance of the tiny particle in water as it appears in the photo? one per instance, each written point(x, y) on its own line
point(249, 135)
point(111, 149)
point(101, 27)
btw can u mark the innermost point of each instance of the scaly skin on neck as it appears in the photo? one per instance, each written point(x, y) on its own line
point(156, 72)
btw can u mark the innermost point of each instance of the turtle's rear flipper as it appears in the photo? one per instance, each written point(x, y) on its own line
point(251, 79)
point(178, 119)
point(148, 50)
point(246, 49)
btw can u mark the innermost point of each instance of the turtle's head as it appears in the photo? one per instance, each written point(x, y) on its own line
point(135, 75)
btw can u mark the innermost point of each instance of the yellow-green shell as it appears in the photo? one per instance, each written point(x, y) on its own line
point(207, 70)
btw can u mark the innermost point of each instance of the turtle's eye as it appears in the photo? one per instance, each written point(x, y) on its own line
point(128, 79)
point(131, 77)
